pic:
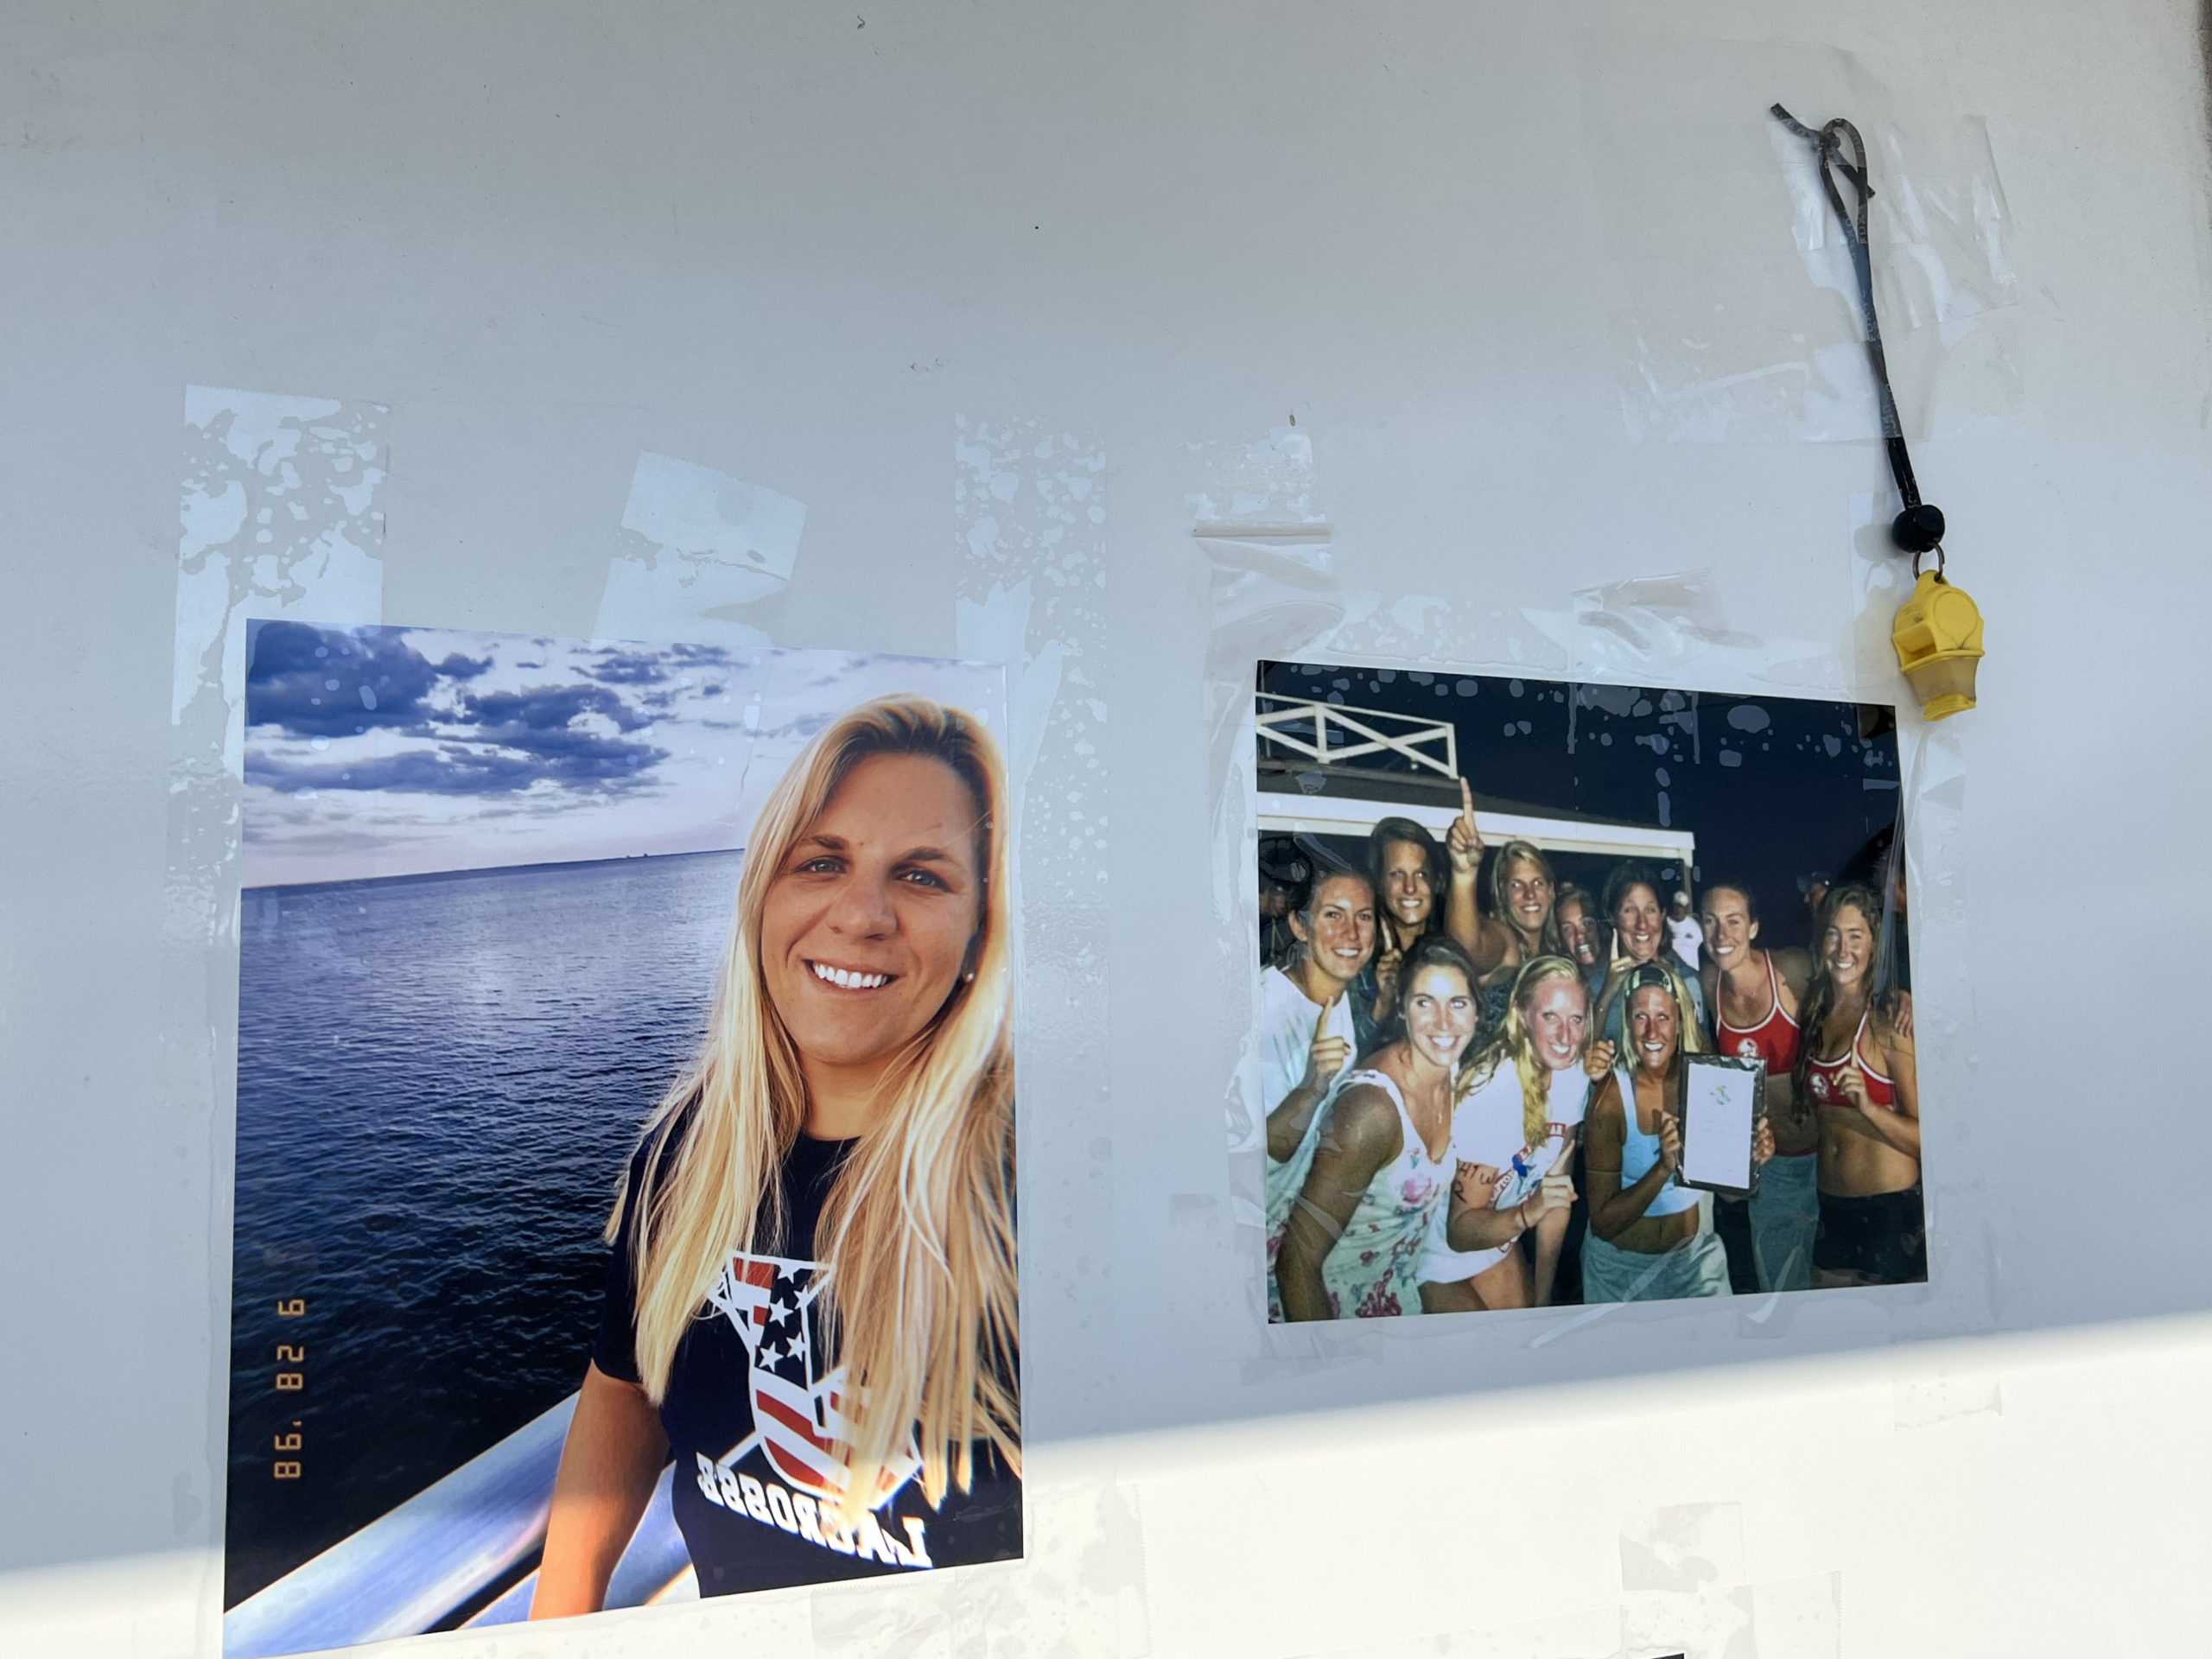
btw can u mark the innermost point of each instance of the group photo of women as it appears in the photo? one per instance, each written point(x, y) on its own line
point(1472, 1060)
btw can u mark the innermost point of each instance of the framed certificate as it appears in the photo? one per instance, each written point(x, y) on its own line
point(1722, 1101)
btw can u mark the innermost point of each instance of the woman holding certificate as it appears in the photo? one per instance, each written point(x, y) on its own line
point(1648, 1239)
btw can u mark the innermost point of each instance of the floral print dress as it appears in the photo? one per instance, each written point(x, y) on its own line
point(1374, 1271)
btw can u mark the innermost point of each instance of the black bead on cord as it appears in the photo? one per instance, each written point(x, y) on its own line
point(1919, 528)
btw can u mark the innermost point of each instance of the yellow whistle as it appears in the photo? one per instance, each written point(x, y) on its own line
point(1938, 637)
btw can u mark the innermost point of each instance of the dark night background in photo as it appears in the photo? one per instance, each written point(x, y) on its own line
point(440, 1077)
point(1773, 787)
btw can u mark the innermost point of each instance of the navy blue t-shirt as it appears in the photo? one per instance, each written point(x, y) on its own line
point(750, 1414)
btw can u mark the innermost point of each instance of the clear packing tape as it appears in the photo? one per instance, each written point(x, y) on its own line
point(1733, 306)
point(1273, 597)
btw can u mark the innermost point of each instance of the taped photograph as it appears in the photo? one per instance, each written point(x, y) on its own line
point(624, 1205)
point(1511, 929)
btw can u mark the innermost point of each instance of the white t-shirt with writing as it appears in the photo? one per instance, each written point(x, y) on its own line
point(1287, 1017)
point(1689, 938)
point(1487, 1131)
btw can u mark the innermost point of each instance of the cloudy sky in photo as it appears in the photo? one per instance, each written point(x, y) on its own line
point(394, 751)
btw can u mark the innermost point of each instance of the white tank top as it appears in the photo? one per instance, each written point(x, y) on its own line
point(1415, 1155)
point(1374, 1266)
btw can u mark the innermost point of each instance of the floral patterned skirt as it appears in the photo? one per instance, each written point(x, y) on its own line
point(1374, 1272)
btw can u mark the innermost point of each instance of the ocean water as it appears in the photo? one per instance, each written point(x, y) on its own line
point(439, 1079)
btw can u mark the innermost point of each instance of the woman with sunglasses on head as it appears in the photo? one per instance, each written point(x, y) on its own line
point(1513, 1136)
point(1648, 1238)
point(1755, 994)
point(1857, 1068)
point(1382, 1166)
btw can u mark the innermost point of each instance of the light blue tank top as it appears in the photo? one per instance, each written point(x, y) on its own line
point(1639, 1152)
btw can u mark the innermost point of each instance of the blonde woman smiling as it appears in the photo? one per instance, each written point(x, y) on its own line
point(1513, 1135)
point(1649, 1239)
point(811, 1299)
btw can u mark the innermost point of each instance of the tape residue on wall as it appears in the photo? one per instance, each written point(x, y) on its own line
point(1734, 310)
point(1029, 523)
point(697, 544)
point(278, 517)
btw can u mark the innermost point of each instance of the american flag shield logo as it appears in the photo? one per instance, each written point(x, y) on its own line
point(770, 1301)
point(795, 1389)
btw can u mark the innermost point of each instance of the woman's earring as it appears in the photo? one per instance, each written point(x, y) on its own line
point(968, 978)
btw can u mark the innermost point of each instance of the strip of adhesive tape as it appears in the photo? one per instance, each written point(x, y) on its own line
point(1735, 308)
point(1029, 533)
point(699, 544)
point(1029, 529)
point(277, 517)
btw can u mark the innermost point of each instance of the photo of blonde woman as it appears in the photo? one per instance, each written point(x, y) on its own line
point(626, 1168)
point(810, 1304)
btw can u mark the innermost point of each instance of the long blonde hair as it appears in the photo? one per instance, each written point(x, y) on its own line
point(920, 1301)
point(1517, 1043)
point(1549, 942)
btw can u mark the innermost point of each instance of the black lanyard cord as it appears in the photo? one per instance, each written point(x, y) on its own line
point(1919, 528)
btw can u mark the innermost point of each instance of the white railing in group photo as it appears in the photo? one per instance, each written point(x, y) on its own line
point(1341, 734)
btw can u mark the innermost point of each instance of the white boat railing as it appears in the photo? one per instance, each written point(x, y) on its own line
point(1282, 813)
point(1341, 734)
point(413, 1567)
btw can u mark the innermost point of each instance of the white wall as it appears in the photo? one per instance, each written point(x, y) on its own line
point(793, 244)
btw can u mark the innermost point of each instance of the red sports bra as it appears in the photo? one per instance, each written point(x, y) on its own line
point(1773, 1040)
point(1824, 1075)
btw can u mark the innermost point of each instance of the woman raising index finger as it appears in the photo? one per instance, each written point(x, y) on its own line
point(1639, 940)
point(1488, 942)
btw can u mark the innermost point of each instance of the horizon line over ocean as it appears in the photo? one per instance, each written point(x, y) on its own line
point(439, 1083)
point(484, 870)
